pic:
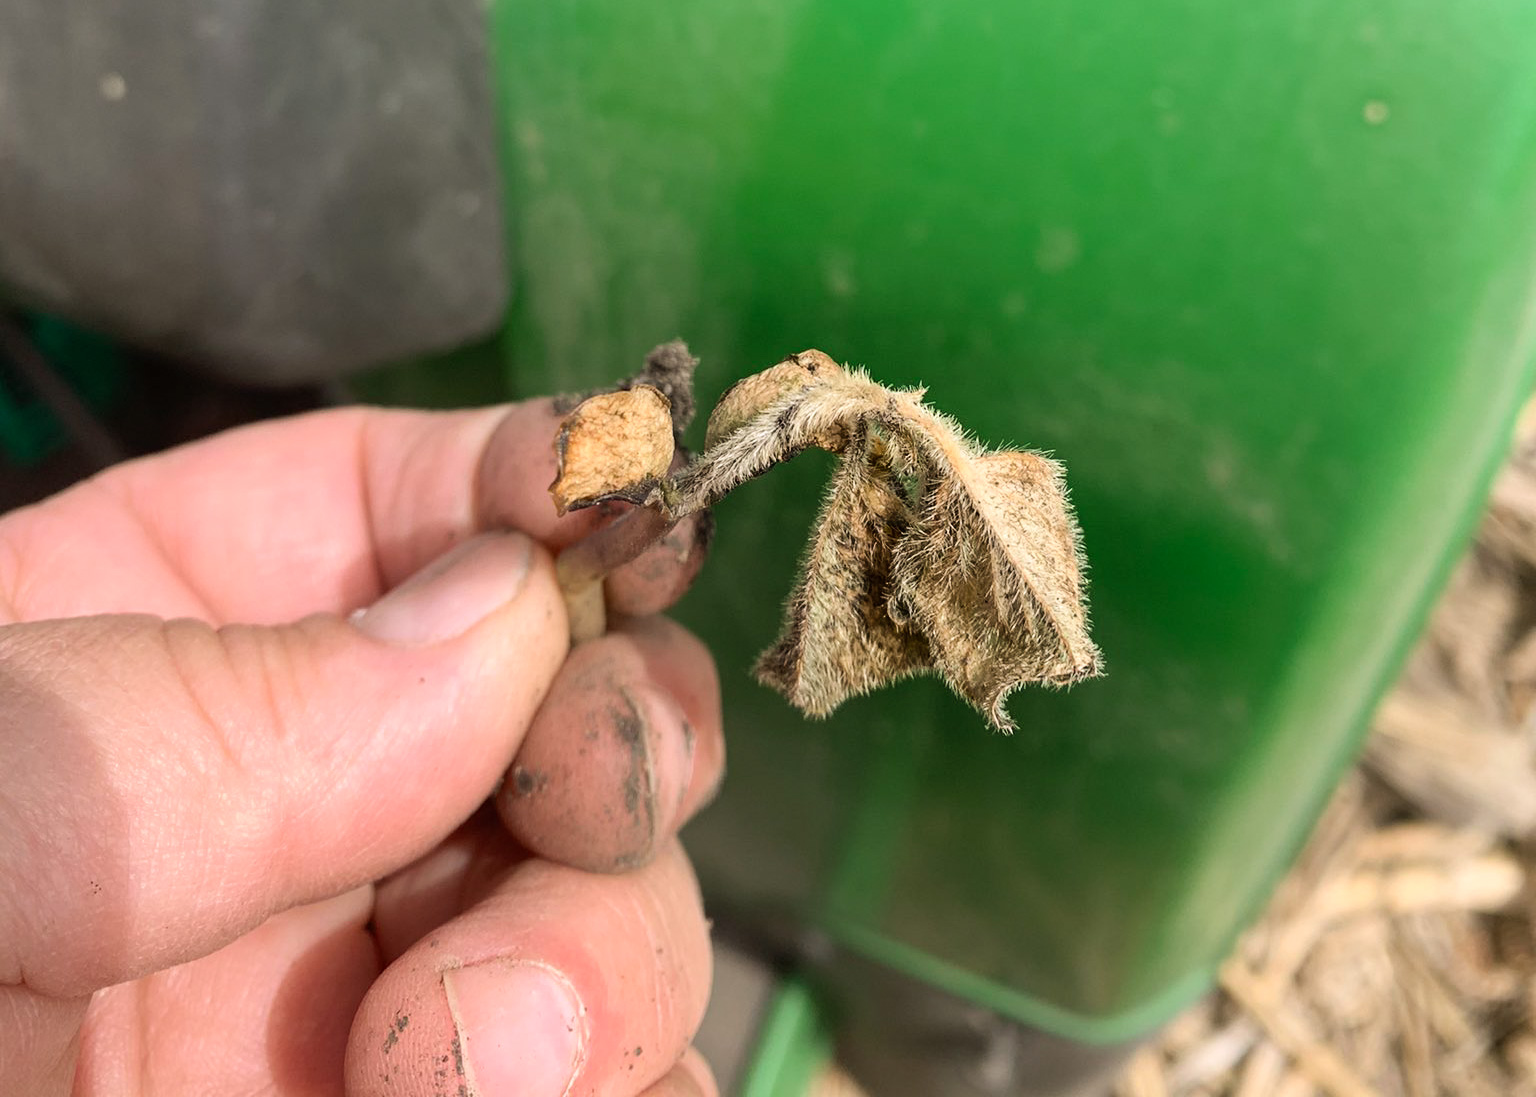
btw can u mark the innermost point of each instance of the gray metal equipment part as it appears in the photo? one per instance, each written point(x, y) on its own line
point(273, 191)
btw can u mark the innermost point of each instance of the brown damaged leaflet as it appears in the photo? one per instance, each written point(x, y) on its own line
point(931, 553)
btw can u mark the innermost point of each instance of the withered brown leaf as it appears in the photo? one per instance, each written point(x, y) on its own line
point(990, 573)
point(747, 398)
point(930, 553)
point(799, 407)
point(839, 639)
point(613, 445)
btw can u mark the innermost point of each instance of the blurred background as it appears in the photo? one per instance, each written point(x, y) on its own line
point(1260, 275)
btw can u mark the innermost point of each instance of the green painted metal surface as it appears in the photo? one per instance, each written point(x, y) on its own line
point(792, 1046)
point(1260, 274)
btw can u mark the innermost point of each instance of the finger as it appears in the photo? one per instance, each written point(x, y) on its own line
point(442, 884)
point(559, 981)
point(272, 1010)
point(39, 1041)
point(321, 512)
point(690, 1078)
point(658, 577)
point(653, 654)
point(626, 746)
point(169, 785)
point(662, 574)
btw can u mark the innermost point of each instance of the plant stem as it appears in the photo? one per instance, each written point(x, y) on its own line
point(581, 567)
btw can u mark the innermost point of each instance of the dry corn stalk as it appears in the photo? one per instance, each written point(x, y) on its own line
point(1399, 956)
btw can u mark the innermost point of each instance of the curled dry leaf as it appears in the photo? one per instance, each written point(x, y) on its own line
point(990, 574)
point(614, 445)
point(930, 552)
point(839, 638)
point(747, 398)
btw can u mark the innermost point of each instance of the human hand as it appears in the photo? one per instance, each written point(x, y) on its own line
point(242, 847)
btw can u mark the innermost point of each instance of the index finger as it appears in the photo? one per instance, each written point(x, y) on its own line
point(317, 513)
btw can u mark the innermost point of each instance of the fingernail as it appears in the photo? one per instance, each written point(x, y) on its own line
point(453, 593)
point(672, 744)
point(650, 727)
point(521, 1028)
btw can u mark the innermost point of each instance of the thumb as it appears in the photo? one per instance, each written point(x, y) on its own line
point(169, 785)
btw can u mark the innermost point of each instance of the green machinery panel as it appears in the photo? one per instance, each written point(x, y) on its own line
point(1261, 274)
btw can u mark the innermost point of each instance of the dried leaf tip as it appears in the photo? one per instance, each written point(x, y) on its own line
point(931, 554)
